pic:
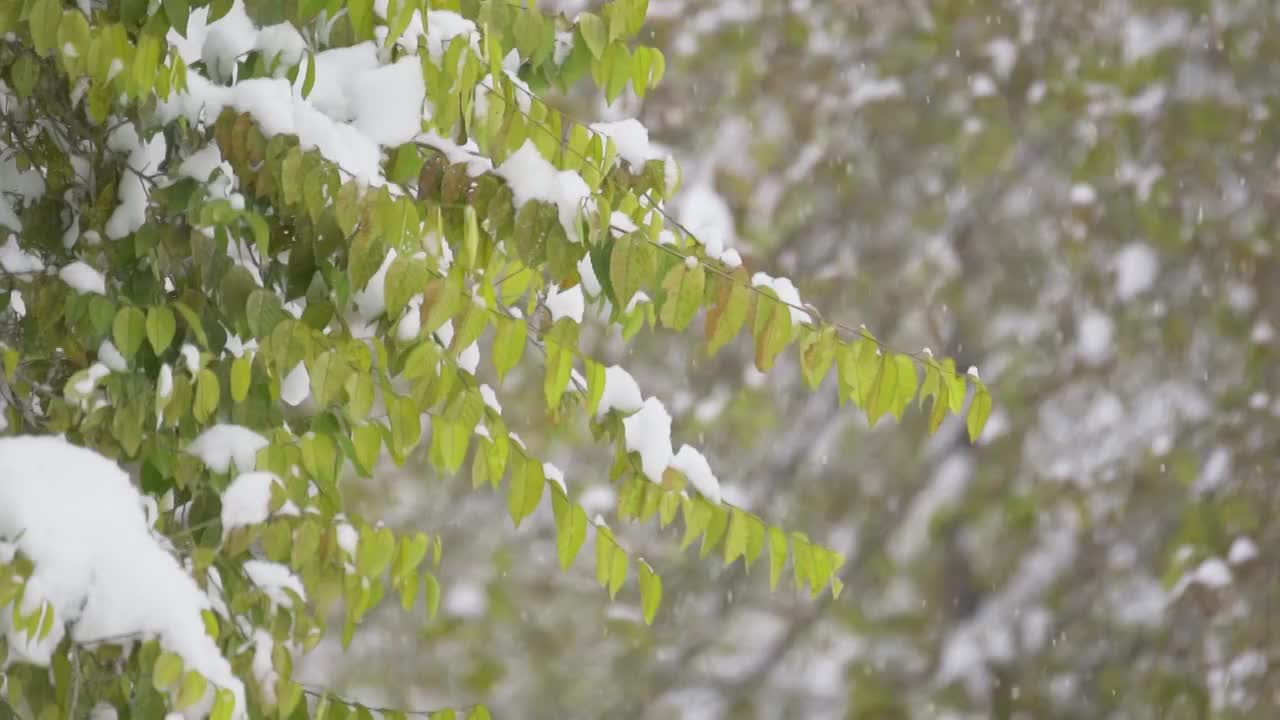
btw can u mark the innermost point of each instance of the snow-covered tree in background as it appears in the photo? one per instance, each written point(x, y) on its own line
point(252, 249)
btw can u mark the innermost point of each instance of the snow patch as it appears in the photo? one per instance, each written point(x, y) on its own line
point(221, 445)
point(79, 519)
point(695, 467)
point(531, 177)
point(83, 279)
point(648, 432)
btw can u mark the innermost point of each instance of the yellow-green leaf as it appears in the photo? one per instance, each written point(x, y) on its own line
point(735, 543)
point(45, 17)
point(128, 329)
point(595, 373)
point(632, 265)
point(193, 687)
point(178, 13)
point(328, 373)
point(406, 424)
point(650, 591)
point(907, 383)
point(772, 329)
point(727, 315)
point(697, 516)
point(883, 389)
point(571, 527)
point(777, 555)
point(979, 411)
point(432, 594)
point(241, 374)
point(524, 491)
point(593, 32)
point(817, 352)
point(684, 287)
point(167, 670)
point(508, 345)
point(224, 704)
point(208, 392)
point(617, 64)
point(367, 442)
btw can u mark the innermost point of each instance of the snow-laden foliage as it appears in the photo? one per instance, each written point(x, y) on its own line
point(254, 247)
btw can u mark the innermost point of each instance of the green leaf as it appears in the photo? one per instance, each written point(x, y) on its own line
point(178, 12)
point(857, 364)
point(193, 687)
point(641, 67)
point(128, 330)
point(593, 33)
point(632, 265)
point(470, 236)
point(735, 542)
point(938, 412)
point(955, 386)
point(167, 670)
point(360, 12)
point(979, 411)
point(908, 382)
point(755, 539)
point(650, 591)
point(772, 329)
point(365, 256)
point(406, 425)
point(508, 345)
point(224, 704)
point(561, 343)
point(604, 554)
point(777, 555)
point(264, 311)
point(241, 375)
point(729, 312)
point(375, 551)
point(618, 562)
point(684, 286)
point(432, 595)
point(453, 441)
point(161, 327)
point(142, 71)
point(479, 712)
point(44, 20)
point(346, 207)
point(932, 383)
point(801, 559)
point(524, 491)
point(611, 561)
point(208, 393)
point(617, 61)
point(697, 516)
point(595, 373)
point(475, 318)
point(716, 528)
point(366, 441)
point(360, 395)
point(817, 352)
point(528, 31)
point(880, 398)
point(328, 373)
point(74, 31)
point(571, 527)
point(399, 15)
point(309, 79)
point(398, 220)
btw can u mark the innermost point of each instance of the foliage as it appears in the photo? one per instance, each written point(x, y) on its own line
point(225, 236)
